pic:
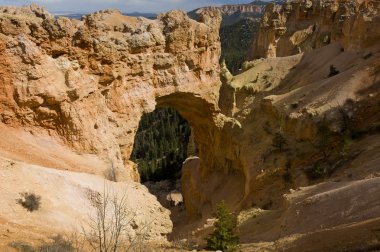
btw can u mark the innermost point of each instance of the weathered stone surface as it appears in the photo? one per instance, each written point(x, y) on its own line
point(91, 80)
point(231, 9)
point(304, 25)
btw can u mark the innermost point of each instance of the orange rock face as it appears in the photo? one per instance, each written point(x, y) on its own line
point(88, 82)
point(300, 26)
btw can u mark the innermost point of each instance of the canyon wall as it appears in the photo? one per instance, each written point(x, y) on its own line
point(300, 26)
point(86, 83)
point(254, 8)
point(309, 136)
point(288, 95)
point(233, 13)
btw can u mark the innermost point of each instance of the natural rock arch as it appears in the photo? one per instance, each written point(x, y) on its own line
point(213, 172)
point(89, 82)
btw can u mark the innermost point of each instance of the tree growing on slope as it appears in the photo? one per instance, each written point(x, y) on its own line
point(224, 237)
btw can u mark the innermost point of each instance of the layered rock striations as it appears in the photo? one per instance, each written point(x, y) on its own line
point(299, 26)
point(233, 13)
point(88, 82)
point(253, 7)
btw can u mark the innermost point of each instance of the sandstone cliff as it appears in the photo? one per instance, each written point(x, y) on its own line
point(72, 94)
point(299, 26)
point(233, 13)
point(90, 81)
point(255, 7)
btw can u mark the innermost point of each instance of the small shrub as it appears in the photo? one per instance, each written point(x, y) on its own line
point(333, 71)
point(279, 142)
point(223, 238)
point(60, 244)
point(294, 105)
point(348, 130)
point(347, 121)
point(21, 246)
point(316, 171)
point(29, 201)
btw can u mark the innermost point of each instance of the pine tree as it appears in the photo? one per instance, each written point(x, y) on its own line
point(223, 238)
point(279, 142)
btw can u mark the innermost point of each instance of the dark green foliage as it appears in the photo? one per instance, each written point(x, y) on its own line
point(333, 71)
point(316, 171)
point(30, 201)
point(224, 237)
point(161, 145)
point(236, 40)
point(279, 142)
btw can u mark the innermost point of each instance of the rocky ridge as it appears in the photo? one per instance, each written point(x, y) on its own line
point(233, 13)
point(255, 7)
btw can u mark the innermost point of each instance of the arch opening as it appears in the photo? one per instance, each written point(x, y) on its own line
point(161, 145)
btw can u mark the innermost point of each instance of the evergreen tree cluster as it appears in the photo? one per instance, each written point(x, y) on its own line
point(236, 40)
point(161, 145)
